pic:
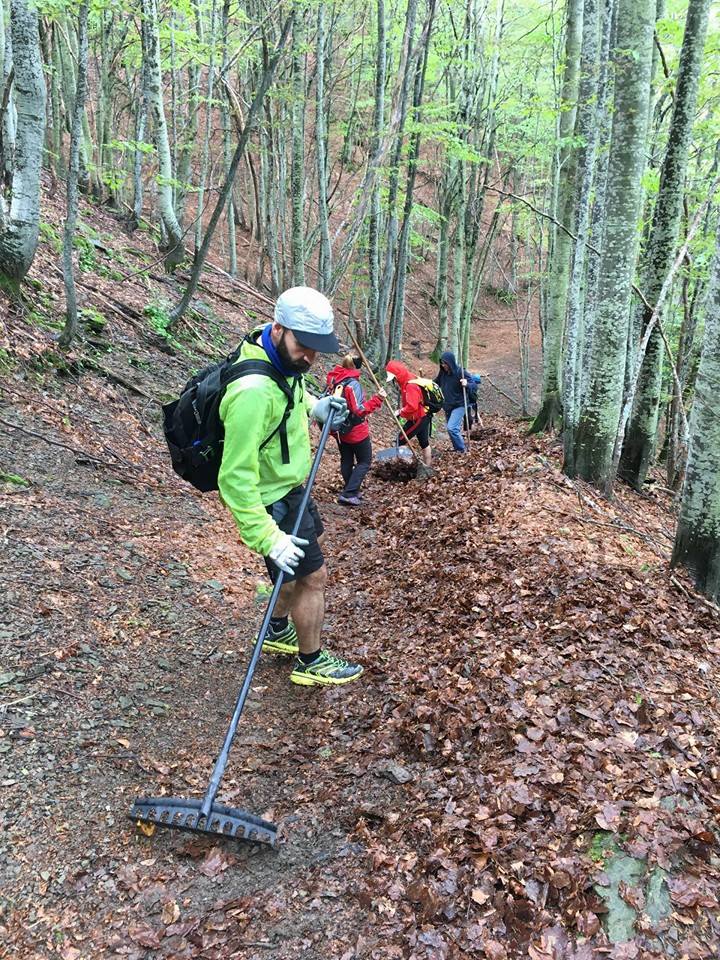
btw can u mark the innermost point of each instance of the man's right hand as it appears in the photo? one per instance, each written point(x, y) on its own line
point(286, 554)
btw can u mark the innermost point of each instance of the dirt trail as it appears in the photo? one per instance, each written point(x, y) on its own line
point(539, 702)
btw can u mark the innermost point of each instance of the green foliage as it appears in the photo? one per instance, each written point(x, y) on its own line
point(158, 318)
point(13, 479)
point(93, 319)
point(87, 261)
point(48, 234)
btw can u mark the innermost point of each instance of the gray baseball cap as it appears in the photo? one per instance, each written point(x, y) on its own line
point(309, 314)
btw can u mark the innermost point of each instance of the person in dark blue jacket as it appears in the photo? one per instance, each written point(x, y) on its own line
point(452, 380)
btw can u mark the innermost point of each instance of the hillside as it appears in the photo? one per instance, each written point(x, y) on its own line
point(528, 769)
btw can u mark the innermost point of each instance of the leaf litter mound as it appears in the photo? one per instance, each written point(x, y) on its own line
point(539, 706)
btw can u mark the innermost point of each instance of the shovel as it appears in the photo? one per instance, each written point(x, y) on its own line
point(205, 816)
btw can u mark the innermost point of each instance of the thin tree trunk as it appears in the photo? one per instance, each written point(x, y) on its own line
point(325, 254)
point(205, 158)
point(297, 172)
point(550, 413)
point(374, 219)
point(266, 80)
point(227, 155)
point(398, 313)
point(71, 319)
point(174, 252)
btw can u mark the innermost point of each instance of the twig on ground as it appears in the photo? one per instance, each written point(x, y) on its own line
point(56, 443)
point(693, 595)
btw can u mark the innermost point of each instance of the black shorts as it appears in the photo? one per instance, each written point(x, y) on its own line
point(284, 513)
point(420, 429)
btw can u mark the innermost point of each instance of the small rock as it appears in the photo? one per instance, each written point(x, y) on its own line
point(395, 773)
point(124, 574)
point(214, 584)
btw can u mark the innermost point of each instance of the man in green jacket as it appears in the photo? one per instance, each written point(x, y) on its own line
point(261, 482)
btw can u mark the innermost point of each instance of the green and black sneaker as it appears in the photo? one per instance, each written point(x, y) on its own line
point(325, 669)
point(284, 641)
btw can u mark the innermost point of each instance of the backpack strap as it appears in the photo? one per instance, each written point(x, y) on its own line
point(266, 369)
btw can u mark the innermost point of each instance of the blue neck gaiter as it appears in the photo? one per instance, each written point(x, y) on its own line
point(271, 351)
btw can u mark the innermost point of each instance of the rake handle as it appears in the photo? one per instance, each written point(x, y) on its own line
point(221, 762)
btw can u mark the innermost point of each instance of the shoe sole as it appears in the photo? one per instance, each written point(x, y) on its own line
point(273, 646)
point(303, 680)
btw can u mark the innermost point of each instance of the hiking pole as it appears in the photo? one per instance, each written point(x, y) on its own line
point(467, 418)
point(205, 816)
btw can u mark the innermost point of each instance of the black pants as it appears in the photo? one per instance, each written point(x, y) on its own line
point(355, 460)
point(422, 429)
point(284, 512)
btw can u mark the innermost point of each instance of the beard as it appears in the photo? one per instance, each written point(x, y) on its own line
point(296, 366)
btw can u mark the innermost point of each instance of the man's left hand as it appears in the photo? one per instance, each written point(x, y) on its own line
point(463, 382)
point(334, 407)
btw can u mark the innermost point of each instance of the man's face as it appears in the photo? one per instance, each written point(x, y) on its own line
point(294, 355)
point(444, 366)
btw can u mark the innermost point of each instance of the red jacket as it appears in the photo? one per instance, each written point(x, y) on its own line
point(412, 397)
point(357, 404)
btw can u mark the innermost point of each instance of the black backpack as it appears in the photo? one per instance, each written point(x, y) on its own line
point(337, 389)
point(192, 425)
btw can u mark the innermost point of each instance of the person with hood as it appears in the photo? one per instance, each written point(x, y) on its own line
point(354, 437)
point(452, 380)
point(417, 417)
point(266, 459)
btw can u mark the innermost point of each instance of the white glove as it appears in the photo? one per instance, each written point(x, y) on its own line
point(335, 407)
point(286, 554)
point(463, 382)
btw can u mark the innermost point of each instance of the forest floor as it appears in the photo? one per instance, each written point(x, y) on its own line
point(528, 768)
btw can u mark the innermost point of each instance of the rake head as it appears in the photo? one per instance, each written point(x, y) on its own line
point(228, 823)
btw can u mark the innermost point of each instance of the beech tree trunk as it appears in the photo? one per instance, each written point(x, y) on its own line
point(173, 242)
point(640, 436)
point(68, 333)
point(697, 540)
point(20, 211)
point(600, 410)
point(550, 414)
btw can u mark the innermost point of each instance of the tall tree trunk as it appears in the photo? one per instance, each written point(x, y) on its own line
point(20, 219)
point(391, 232)
point(398, 313)
point(374, 218)
point(550, 413)
point(639, 446)
point(697, 540)
point(184, 150)
point(8, 115)
point(173, 246)
point(70, 330)
point(325, 255)
point(227, 151)
point(297, 172)
point(600, 410)
point(586, 125)
point(209, 108)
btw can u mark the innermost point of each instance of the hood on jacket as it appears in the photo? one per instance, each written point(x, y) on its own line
point(339, 373)
point(399, 371)
point(449, 358)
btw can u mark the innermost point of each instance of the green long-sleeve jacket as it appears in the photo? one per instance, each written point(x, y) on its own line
point(251, 478)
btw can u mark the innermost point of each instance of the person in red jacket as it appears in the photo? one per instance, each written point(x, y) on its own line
point(418, 420)
point(354, 443)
